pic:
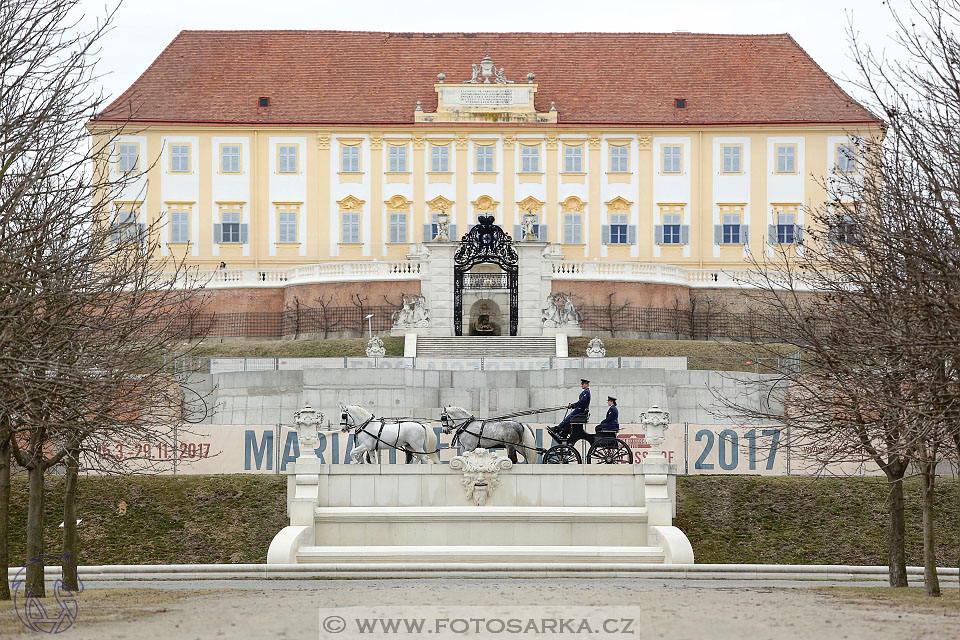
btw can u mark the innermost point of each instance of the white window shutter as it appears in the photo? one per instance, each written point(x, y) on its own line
point(718, 234)
point(452, 232)
point(658, 234)
point(469, 227)
point(772, 234)
point(427, 232)
point(744, 234)
point(798, 234)
point(543, 233)
point(632, 234)
point(244, 233)
point(218, 233)
point(517, 232)
point(685, 234)
point(605, 234)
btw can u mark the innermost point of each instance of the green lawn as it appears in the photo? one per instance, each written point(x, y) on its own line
point(295, 348)
point(232, 518)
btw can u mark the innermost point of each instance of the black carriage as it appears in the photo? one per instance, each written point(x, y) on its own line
point(605, 446)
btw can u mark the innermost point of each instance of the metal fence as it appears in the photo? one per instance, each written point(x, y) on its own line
point(323, 322)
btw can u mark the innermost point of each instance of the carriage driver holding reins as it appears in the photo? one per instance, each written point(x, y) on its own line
point(578, 408)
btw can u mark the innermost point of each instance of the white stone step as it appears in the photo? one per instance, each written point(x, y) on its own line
point(480, 554)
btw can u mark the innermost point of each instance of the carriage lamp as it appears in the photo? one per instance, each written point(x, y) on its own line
point(655, 422)
point(369, 324)
point(307, 422)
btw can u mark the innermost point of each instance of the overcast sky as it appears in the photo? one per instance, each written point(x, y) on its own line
point(143, 28)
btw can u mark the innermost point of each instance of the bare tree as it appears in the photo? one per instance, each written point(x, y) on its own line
point(328, 322)
point(88, 309)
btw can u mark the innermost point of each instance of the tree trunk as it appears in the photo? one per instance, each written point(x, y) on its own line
point(4, 516)
point(931, 581)
point(896, 553)
point(70, 557)
point(34, 549)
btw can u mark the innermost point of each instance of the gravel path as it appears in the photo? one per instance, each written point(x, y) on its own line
point(675, 609)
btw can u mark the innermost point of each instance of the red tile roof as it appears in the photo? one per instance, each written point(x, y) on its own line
point(356, 77)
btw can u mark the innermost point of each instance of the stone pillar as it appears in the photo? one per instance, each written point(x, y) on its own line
point(436, 286)
point(535, 283)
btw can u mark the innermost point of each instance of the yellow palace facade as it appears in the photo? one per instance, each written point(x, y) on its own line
point(308, 147)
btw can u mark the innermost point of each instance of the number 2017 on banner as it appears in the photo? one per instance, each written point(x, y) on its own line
point(728, 448)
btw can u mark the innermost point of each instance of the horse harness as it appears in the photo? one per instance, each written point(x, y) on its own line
point(460, 429)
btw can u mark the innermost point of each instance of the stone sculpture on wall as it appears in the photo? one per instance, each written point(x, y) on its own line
point(560, 312)
point(481, 473)
point(595, 349)
point(413, 314)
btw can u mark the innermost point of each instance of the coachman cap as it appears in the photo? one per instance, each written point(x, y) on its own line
point(612, 399)
point(584, 381)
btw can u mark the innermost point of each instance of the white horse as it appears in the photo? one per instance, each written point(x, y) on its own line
point(373, 435)
point(472, 433)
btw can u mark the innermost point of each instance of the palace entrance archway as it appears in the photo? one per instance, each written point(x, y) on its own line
point(485, 243)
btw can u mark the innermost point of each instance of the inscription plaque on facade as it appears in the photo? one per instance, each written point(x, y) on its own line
point(488, 96)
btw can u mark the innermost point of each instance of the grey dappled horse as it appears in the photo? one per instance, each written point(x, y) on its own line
point(472, 433)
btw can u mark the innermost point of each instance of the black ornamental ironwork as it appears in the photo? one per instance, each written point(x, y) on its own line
point(485, 243)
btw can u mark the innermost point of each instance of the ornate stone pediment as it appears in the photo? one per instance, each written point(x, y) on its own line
point(485, 204)
point(530, 204)
point(351, 203)
point(439, 204)
point(398, 203)
point(573, 204)
point(619, 204)
point(481, 473)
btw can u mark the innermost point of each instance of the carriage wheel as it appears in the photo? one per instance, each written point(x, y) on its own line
point(610, 451)
point(562, 454)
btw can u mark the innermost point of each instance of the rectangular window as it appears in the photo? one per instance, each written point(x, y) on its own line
point(846, 158)
point(287, 226)
point(398, 159)
point(230, 158)
point(731, 158)
point(287, 158)
point(485, 159)
point(350, 159)
point(619, 159)
point(179, 227)
point(572, 228)
point(127, 157)
point(844, 229)
point(672, 158)
point(731, 228)
point(618, 228)
point(530, 159)
point(786, 228)
point(350, 226)
point(230, 226)
point(440, 159)
point(786, 158)
point(398, 227)
point(671, 228)
point(179, 158)
point(125, 227)
point(573, 159)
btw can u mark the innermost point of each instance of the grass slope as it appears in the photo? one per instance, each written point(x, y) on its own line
point(232, 518)
point(295, 348)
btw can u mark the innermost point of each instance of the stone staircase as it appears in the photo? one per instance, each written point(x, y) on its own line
point(486, 347)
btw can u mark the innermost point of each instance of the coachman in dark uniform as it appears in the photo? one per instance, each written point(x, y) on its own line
point(612, 420)
point(579, 408)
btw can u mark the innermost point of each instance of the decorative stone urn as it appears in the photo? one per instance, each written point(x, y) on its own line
point(375, 348)
point(307, 422)
point(481, 473)
point(595, 349)
point(655, 422)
